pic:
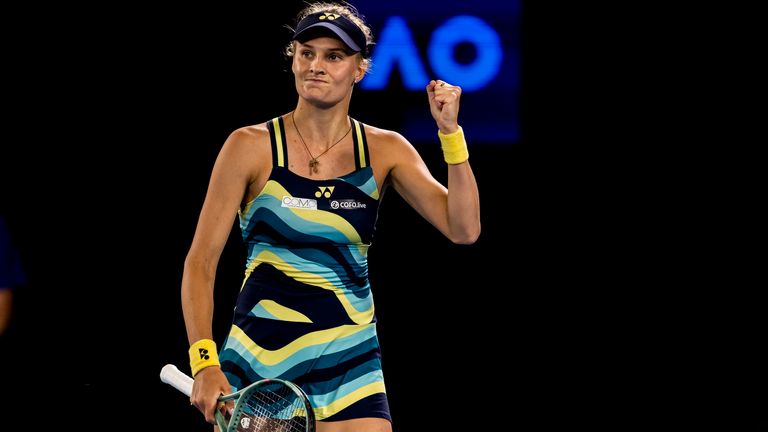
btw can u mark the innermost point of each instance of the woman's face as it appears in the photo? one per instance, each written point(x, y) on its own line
point(325, 70)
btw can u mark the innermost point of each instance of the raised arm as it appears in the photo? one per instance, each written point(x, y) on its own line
point(454, 210)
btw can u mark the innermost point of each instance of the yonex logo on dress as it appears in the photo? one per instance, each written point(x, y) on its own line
point(299, 203)
point(325, 191)
point(329, 16)
point(204, 354)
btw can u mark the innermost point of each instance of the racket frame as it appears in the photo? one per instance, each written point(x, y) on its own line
point(182, 382)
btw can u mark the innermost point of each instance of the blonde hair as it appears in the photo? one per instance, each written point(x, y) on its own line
point(345, 9)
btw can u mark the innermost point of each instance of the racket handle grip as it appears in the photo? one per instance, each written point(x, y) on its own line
point(170, 374)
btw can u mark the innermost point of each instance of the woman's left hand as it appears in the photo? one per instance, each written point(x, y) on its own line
point(444, 105)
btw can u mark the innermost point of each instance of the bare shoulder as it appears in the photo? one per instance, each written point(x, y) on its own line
point(383, 137)
point(387, 145)
point(249, 139)
point(247, 145)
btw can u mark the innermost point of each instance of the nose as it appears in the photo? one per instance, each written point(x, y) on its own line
point(316, 66)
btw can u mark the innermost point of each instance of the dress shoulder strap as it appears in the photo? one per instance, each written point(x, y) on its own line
point(360, 144)
point(277, 138)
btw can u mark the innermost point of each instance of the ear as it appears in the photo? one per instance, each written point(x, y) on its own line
point(362, 68)
point(358, 77)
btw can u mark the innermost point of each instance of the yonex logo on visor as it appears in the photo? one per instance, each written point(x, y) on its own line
point(339, 25)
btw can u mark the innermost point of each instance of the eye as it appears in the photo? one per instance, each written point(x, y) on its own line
point(306, 53)
point(334, 56)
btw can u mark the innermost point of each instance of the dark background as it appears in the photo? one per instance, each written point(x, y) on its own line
point(563, 313)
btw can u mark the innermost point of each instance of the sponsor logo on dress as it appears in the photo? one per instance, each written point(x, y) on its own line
point(324, 191)
point(299, 203)
point(347, 204)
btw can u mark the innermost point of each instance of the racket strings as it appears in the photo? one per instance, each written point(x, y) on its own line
point(273, 409)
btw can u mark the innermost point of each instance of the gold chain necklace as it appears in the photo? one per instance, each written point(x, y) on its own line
point(313, 162)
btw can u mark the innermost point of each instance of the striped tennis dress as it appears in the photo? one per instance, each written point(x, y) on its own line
point(305, 311)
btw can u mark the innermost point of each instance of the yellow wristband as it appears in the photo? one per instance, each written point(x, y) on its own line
point(454, 146)
point(203, 354)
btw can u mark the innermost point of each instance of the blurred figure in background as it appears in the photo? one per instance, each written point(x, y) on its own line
point(11, 275)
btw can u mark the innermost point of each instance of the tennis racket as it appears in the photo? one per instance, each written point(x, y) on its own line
point(267, 405)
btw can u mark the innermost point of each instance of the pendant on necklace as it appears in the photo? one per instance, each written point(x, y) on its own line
point(313, 163)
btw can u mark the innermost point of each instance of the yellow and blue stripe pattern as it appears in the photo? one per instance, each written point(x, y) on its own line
point(305, 311)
